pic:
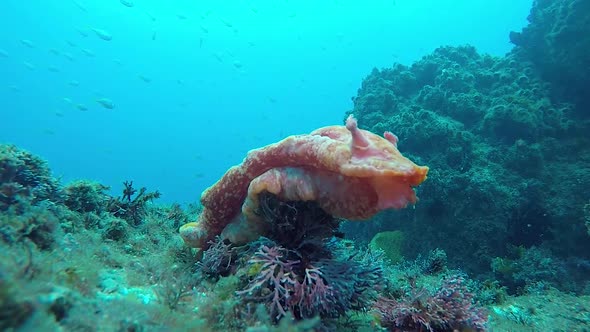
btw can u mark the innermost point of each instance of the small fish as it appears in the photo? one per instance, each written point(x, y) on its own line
point(29, 65)
point(127, 3)
point(145, 78)
point(69, 56)
point(54, 51)
point(102, 34)
point(67, 100)
point(181, 16)
point(59, 114)
point(88, 52)
point(204, 29)
point(154, 34)
point(225, 22)
point(180, 82)
point(53, 69)
point(81, 107)
point(74, 83)
point(79, 5)
point(3, 54)
point(218, 57)
point(82, 32)
point(27, 43)
point(71, 43)
point(238, 64)
point(14, 88)
point(201, 43)
point(152, 17)
point(106, 103)
point(118, 62)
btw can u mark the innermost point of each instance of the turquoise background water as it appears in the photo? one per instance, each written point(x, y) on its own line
point(196, 84)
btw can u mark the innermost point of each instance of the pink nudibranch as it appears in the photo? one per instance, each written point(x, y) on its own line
point(350, 172)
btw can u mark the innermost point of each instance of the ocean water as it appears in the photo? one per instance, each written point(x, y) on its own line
point(194, 85)
point(472, 214)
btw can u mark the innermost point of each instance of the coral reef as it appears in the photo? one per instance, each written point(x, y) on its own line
point(24, 177)
point(70, 264)
point(85, 196)
point(506, 142)
point(532, 270)
point(57, 272)
point(503, 156)
point(76, 259)
point(554, 42)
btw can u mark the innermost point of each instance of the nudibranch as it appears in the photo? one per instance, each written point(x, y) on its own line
point(350, 172)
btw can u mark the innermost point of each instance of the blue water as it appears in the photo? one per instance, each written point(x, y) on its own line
point(224, 76)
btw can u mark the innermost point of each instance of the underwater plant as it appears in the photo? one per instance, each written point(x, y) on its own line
point(449, 308)
point(25, 177)
point(217, 260)
point(132, 210)
point(86, 196)
point(327, 288)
